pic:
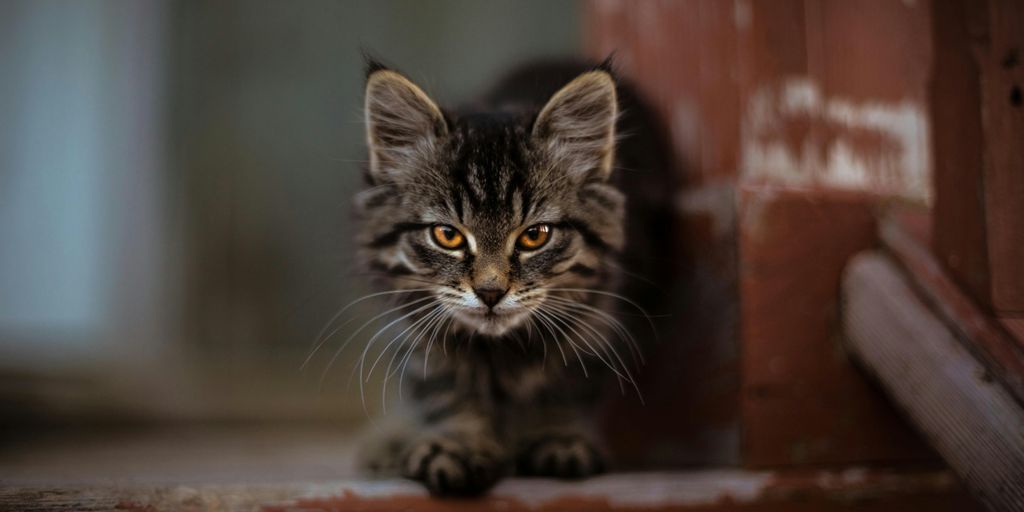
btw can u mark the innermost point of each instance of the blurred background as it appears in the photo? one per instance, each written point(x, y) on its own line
point(175, 187)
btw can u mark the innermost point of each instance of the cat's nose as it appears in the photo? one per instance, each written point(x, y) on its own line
point(490, 296)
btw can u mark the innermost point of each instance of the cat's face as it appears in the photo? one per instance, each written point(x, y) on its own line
point(490, 216)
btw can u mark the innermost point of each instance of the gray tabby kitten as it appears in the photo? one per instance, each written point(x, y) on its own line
point(504, 228)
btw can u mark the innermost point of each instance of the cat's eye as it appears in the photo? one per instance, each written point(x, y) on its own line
point(534, 237)
point(447, 236)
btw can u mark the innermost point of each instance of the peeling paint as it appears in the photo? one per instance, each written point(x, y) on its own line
point(743, 15)
point(716, 202)
point(794, 135)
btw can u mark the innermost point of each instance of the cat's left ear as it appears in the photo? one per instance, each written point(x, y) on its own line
point(403, 125)
point(577, 126)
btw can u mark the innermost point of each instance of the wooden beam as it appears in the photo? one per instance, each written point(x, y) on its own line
point(970, 419)
point(987, 338)
point(978, 140)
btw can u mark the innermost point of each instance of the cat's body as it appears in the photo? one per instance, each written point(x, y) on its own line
point(505, 226)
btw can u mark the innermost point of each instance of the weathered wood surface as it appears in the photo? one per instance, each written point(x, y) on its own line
point(978, 128)
point(971, 419)
point(853, 490)
point(803, 400)
point(992, 341)
point(1003, 115)
point(801, 100)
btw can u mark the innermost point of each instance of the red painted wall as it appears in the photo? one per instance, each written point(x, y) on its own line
point(791, 121)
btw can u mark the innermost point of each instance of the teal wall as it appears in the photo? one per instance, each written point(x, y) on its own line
point(176, 179)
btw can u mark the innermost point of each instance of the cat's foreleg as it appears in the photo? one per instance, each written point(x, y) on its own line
point(561, 444)
point(459, 455)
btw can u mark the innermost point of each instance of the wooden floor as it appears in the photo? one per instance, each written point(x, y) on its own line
point(276, 468)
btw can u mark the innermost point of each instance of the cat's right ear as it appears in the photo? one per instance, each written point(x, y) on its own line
point(403, 126)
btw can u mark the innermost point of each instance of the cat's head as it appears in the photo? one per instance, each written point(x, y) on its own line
point(491, 214)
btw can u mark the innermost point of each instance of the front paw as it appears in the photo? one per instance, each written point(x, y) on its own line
point(560, 456)
point(448, 467)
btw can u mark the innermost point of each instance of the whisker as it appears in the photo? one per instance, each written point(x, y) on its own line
point(416, 329)
point(639, 308)
point(444, 339)
point(360, 329)
point(362, 357)
point(424, 323)
point(435, 317)
point(532, 323)
point(594, 352)
point(571, 344)
point(609, 347)
point(636, 276)
point(319, 340)
point(430, 342)
point(408, 357)
point(619, 328)
point(554, 337)
point(411, 326)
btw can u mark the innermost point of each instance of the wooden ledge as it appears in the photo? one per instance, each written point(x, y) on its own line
point(713, 490)
point(992, 340)
point(917, 355)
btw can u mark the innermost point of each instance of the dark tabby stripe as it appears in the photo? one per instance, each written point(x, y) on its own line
point(394, 270)
point(502, 380)
point(582, 270)
point(391, 237)
point(589, 235)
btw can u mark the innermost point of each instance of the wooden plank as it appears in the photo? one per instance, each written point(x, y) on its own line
point(981, 332)
point(851, 490)
point(959, 211)
point(719, 100)
point(973, 422)
point(1015, 326)
point(978, 126)
point(828, 104)
point(802, 402)
point(1002, 78)
point(857, 43)
point(680, 55)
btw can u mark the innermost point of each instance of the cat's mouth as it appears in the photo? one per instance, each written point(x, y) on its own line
point(491, 322)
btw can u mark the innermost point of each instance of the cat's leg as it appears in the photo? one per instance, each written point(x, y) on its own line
point(562, 444)
point(381, 448)
point(456, 450)
point(447, 445)
point(457, 456)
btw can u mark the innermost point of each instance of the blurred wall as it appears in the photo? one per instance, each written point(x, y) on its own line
point(793, 122)
point(85, 284)
point(175, 187)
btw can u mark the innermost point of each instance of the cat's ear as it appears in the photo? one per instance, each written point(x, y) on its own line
point(403, 125)
point(577, 126)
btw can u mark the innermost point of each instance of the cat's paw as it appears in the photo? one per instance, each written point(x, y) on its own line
point(448, 467)
point(560, 456)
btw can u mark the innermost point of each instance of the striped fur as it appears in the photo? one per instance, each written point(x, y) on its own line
point(503, 396)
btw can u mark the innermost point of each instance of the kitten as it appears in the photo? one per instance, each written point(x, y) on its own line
point(505, 228)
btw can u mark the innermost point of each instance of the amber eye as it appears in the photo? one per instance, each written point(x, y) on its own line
point(448, 237)
point(534, 237)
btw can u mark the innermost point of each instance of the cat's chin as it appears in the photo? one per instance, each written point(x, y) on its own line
point(491, 324)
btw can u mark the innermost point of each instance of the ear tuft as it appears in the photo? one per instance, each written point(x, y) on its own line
point(372, 64)
point(607, 65)
point(403, 125)
point(577, 126)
